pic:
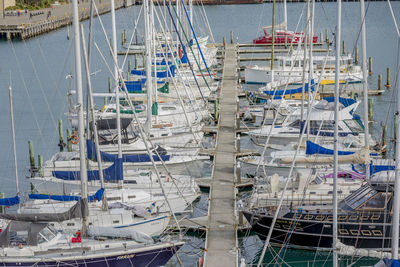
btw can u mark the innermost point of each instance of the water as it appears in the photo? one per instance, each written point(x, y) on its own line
point(39, 68)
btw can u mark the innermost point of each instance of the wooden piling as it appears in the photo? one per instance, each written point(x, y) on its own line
point(370, 109)
point(40, 165)
point(231, 37)
point(326, 36)
point(2, 208)
point(61, 143)
point(67, 32)
point(109, 85)
point(356, 57)
point(238, 173)
point(31, 159)
point(69, 144)
point(129, 70)
point(379, 82)
point(388, 85)
point(216, 110)
point(370, 66)
point(343, 47)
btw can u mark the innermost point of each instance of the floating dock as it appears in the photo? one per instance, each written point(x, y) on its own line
point(221, 241)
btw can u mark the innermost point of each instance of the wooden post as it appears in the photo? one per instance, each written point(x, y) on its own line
point(370, 109)
point(40, 165)
point(67, 32)
point(109, 85)
point(388, 85)
point(216, 110)
point(344, 48)
point(61, 143)
point(370, 66)
point(231, 37)
point(2, 207)
point(111, 44)
point(356, 57)
point(129, 70)
point(395, 129)
point(383, 141)
point(122, 38)
point(326, 36)
point(238, 173)
point(286, 41)
point(69, 144)
point(238, 143)
point(224, 42)
point(32, 169)
point(379, 82)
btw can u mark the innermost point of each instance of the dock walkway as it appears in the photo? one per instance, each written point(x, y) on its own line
point(221, 241)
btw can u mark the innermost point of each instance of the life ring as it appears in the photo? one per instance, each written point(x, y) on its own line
point(74, 138)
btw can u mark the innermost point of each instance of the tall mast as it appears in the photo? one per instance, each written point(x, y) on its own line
point(285, 14)
point(304, 65)
point(364, 81)
point(147, 34)
point(310, 60)
point(335, 138)
point(116, 87)
point(273, 41)
point(81, 129)
point(93, 118)
point(13, 137)
point(153, 45)
point(396, 200)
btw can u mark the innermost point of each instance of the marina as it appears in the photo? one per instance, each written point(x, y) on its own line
point(175, 134)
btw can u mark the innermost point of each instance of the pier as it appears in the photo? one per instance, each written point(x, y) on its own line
point(221, 241)
point(45, 20)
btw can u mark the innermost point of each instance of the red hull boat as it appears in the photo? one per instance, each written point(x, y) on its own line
point(282, 36)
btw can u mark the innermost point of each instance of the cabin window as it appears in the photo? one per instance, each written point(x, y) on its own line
point(116, 221)
point(130, 182)
point(113, 198)
point(168, 108)
point(287, 64)
point(164, 134)
point(133, 196)
point(376, 202)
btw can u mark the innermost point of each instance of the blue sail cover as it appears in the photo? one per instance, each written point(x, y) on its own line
point(113, 173)
point(344, 101)
point(11, 201)
point(313, 148)
point(375, 168)
point(97, 196)
point(160, 74)
point(134, 86)
point(91, 148)
point(290, 91)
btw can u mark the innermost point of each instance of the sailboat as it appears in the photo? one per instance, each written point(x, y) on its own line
point(28, 240)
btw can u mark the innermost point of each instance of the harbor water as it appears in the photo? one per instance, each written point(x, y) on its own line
point(40, 72)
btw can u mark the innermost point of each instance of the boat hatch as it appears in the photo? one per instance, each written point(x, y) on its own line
point(358, 198)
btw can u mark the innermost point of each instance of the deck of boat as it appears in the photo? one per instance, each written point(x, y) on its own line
point(221, 242)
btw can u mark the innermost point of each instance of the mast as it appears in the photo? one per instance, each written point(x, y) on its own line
point(116, 87)
point(81, 126)
point(364, 82)
point(335, 138)
point(273, 41)
point(153, 45)
point(13, 137)
point(304, 66)
point(396, 200)
point(93, 118)
point(310, 60)
point(147, 34)
point(285, 14)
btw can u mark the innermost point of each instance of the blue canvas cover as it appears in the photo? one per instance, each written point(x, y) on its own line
point(97, 196)
point(290, 91)
point(344, 101)
point(91, 149)
point(313, 148)
point(113, 173)
point(160, 74)
point(11, 201)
